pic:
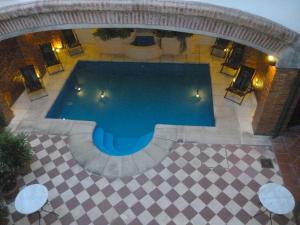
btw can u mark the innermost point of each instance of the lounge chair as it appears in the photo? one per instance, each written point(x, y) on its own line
point(72, 43)
point(234, 58)
point(219, 48)
point(33, 83)
point(53, 64)
point(241, 84)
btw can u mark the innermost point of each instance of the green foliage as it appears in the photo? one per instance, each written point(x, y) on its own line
point(181, 37)
point(106, 34)
point(15, 150)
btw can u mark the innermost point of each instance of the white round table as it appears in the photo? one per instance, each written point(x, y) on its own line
point(276, 199)
point(31, 199)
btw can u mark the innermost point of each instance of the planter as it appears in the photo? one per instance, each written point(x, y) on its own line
point(3, 215)
point(4, 221)
point(11, 191)
point(26, 169)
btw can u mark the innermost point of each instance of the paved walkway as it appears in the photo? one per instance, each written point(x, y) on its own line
point(195, 184)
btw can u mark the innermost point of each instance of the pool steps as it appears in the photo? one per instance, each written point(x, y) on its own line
point(112, 145)
point(87, 155)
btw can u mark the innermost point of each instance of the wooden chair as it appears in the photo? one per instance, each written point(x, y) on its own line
point(234, 58)
point(33, 83)
point(219, 48)
point(72, 43)
point(52, 62)
point(241, 84)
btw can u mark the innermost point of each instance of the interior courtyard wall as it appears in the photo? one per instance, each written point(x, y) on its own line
point(29, 45)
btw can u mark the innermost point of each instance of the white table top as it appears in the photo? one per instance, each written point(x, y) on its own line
point(31, 199)
point(276, 198)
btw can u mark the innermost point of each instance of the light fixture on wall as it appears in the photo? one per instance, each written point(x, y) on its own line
point(271, 60)
point(57, 45)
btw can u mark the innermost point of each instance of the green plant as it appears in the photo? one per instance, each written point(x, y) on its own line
point(108, 33)
point(15, 150)
point(180, 36)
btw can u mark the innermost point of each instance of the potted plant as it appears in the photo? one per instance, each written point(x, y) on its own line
point(180, 36)
point(3, 211)
point(8, 180)
point(15, 151)
point(106, 34)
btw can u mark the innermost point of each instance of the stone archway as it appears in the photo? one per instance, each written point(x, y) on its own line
point(194, 17)
point(32, 15)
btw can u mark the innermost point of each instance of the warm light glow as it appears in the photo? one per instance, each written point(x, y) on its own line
point(198, 95)
point(271, 60)
point(78, 89)
point(226, 50)
point(102, 94)
point(57, 50)
point(258, 82)
point(57, 44)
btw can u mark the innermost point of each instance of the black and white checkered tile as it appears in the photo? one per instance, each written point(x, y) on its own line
point(196, 184)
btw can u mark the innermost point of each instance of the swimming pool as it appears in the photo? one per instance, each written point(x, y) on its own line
point(127, 100)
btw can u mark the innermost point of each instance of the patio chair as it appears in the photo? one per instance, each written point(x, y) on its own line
point(219, 48)
point(53, 63)
point(33, 83)
point(72, 43)
point(241, 84)
point(233, 59)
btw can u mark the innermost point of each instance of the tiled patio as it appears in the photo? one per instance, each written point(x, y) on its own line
point(287, 149)
point(195, 184)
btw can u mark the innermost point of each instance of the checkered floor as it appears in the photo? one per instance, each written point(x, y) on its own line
point(196, 184)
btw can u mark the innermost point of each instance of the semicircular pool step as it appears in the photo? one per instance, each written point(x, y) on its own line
point(113, 145)
point(108, 141)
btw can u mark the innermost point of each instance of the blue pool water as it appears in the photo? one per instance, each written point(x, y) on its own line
point(136, 97)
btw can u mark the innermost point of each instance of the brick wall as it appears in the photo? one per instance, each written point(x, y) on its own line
point(14, 54)
point(258, 60)
point(11, 59)
point(269, 109)
point(29, 45)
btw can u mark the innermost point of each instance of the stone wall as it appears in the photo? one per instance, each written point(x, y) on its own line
point(190, 16)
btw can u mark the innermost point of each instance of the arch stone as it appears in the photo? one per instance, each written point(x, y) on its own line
point(196, 17)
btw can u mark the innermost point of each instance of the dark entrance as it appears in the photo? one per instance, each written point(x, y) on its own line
point(295, 119)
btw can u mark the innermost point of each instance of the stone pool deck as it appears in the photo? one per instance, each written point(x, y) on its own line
point(233, 122)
